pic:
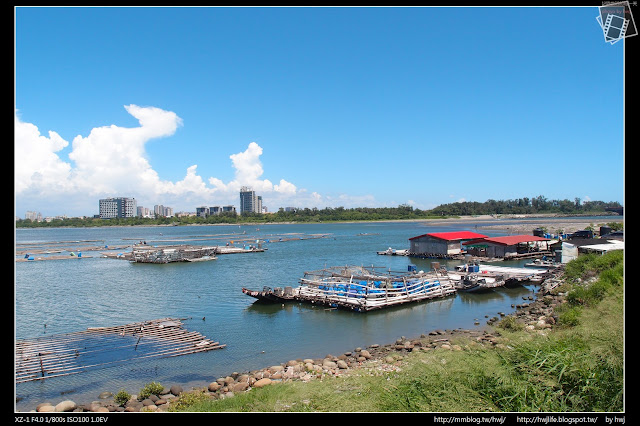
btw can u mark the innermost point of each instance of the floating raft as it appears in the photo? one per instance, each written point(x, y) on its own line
point(360, 289)
point(146, 254)
point(178, 253)
point(102, 347)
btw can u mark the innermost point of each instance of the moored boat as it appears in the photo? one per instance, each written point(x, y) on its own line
point(541, 263)
point(474, 283)
point(394, 252)
point(272, 295)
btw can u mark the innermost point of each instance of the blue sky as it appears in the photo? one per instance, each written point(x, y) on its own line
point(314, 107)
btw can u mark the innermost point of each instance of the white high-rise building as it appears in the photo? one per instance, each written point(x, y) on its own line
point(249, 201)
point(110, 208)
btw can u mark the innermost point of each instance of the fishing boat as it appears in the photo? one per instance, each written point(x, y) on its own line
point(541, 263)
point(475, 283)
point(268, 294)
point(506, 276)
point(361, 289)
point(394, 252)
point(201, 259)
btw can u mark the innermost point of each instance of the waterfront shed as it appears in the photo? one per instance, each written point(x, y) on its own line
point(511, 245)
point(586, 245)
point(440, 244)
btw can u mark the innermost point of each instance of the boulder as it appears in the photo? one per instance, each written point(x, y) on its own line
point(328, 364)
point(276, 368)
point(45, 407)
point(176, 390)
point(262, 382)
point(239, 387)
point(66, 406)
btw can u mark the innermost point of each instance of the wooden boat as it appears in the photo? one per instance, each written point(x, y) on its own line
point(201, 259)
point(473, 283)
point(272, 295)
point(509, 276)
point(541, 263)
point(394, 252)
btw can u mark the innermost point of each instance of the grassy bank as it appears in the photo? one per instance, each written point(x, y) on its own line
point(577, 366)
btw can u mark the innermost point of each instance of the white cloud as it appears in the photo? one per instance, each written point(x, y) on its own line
point(285, 187)
point(111, 158)
point(112, 161)
point(37, 166)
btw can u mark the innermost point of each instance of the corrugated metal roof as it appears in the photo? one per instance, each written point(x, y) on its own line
point(511, 239)
point(451, 236)
point(609, 245)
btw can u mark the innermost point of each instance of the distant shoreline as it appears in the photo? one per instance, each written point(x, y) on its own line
point(502, 221)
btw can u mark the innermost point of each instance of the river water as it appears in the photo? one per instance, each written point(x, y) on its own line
point(63, 296)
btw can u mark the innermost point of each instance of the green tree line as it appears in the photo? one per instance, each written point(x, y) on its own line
point(537, 205)
point(525, 205)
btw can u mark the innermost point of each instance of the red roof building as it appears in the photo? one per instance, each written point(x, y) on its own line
point(440, 244)
point(509, 246)
point(451, 236)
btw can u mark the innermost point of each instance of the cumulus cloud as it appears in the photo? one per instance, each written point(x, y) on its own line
point(249, 170)
point(37, 166)
point(112, 161)
point(110, 158)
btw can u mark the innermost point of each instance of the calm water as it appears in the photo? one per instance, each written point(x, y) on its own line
point(71, 295)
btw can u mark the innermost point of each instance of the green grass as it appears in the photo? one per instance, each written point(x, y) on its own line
point(577, 367)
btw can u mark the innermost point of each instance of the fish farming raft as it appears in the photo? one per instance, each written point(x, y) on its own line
point(102, 347)
point(360, 288)
point(144, 254)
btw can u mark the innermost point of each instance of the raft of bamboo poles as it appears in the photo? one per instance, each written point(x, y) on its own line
point(102, 347)
point(360, 288)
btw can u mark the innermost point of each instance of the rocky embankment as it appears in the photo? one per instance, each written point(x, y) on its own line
point(534, 315)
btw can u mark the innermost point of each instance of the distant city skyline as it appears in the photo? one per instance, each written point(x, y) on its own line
point(314, 106)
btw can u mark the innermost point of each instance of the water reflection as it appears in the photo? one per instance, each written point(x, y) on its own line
point(70, 296)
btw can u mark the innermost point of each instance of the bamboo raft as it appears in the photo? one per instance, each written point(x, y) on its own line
point(102, 347)
point(361, 289)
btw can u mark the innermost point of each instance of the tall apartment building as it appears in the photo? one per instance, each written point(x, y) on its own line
point(34, 216)
point(144, 212)
point(202, 211)
point(161, 210)
point(249, 201)
point(110, 208)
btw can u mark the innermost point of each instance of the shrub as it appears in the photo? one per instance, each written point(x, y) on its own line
point(189, 400)
point(122, 397)
point(510, 323)
point(149, 389)
point(570, 317)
